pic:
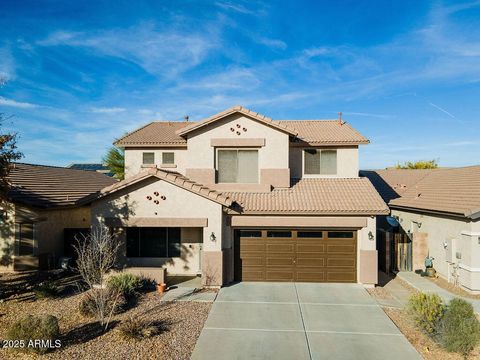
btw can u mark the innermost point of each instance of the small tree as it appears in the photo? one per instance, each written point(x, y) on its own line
point(115, 161)
point(97, 254)
point(8, 154)
point(423, 164)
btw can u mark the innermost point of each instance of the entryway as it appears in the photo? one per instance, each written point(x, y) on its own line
point(299, 321)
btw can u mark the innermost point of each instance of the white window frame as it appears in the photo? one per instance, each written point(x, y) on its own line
point(237, 148)
point(318, 175)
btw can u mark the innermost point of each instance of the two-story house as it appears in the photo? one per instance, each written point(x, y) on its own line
point(239, 196)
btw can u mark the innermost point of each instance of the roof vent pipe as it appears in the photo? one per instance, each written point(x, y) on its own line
point(340, 118)
point(186, 117)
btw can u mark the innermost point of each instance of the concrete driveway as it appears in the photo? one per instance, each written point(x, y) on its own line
point(299, 321)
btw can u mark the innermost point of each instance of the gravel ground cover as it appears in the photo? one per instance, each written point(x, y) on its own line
point(81, 338)
point(424, 344)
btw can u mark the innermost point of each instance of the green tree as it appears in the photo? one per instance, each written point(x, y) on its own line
point(115, 161)
point(8, 154)
point(423, 164)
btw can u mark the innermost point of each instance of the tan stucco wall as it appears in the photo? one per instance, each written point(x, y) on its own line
point(347, 162)
point(179, 203)
point(441, 230)
point(7, 237)
point(274, 155)
point(49, 228)
point(134, 159)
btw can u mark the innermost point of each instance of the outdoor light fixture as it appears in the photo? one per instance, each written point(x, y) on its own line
point(213, 237)
point(370, 235)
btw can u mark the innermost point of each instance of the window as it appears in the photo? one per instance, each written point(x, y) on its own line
point(148, 158)
point(279, 234)
point(340, 234)
point(320, 162)
point(24, 237)
point(168, 158)
point(250, 233)
point(237, 166)
point(153, 242)
point(309, 234)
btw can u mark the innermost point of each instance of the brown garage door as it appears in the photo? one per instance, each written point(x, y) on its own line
point(296, 255)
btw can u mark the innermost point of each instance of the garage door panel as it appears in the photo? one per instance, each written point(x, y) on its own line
point(341, 276)
point(341, 249)
point(280, 274)
point(297, 259)
point(253, 261)
point(309, 276)
point(341, 262)
point(313, 261)
point(285, 261)
point(318, 247)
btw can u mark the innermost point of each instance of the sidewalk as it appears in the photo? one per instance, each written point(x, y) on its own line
point(418, 282)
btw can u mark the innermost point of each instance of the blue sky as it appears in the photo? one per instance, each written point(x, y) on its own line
point(404, 73)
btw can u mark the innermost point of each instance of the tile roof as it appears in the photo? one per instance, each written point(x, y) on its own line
point(242, 110)
point(157, 133)
point(312, 132)
point(325, 132)
point(172, 178)
point(453, 190)
point(50, 186)
point(331, 196)
point(392, 183)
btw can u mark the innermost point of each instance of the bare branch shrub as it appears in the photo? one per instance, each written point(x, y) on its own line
point(97, 255)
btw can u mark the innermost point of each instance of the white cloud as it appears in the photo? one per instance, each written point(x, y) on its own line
point(107, 110)
point(162, 52)
point(273, 43)
point(17, 104)
point(234, 7)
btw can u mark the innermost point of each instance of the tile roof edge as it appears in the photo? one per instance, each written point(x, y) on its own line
point(170, 177)
point(117, 141)
point(243, 110)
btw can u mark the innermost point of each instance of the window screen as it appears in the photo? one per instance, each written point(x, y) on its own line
point(237, 166)
point(25, 239)
point(328, 162)
point(320, 162)
point(153, 242)
point(168, 158)
point(148, 158)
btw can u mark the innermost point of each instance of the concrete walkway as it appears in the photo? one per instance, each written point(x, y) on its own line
point(299, 321)
point(421, 284)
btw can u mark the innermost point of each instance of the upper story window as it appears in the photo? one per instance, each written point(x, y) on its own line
point(320, 162)
point(168, 158)
point(148, 158)
point(237, 166)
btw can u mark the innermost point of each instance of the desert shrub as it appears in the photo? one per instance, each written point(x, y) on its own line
point(46, 289)
point(459, 329)
point(31, 328)
point(426, 310)
point(136, 329)
point(127, 284)
point(90, 306)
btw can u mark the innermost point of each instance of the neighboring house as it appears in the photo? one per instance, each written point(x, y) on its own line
point(91, 167)
point(239, 196)
point(44, 205)
point(440, 209)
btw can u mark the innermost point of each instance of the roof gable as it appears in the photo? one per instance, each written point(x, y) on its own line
point(240, 110)
point(170, 177)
